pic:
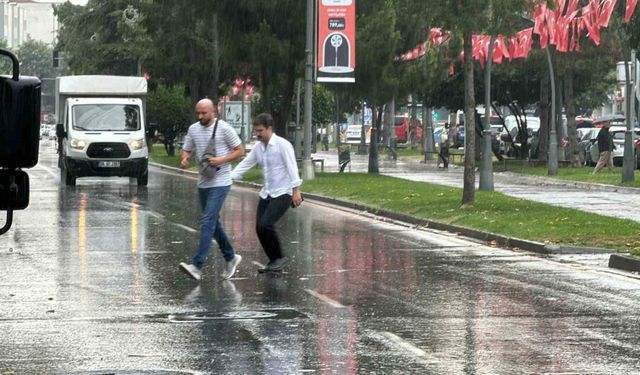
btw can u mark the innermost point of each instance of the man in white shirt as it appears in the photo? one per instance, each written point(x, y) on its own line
point(281, 185)
point(212, 190)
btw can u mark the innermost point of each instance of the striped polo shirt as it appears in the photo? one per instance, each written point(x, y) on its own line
point(196, 141)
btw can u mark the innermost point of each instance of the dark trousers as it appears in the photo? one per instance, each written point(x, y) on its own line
point(270, 210)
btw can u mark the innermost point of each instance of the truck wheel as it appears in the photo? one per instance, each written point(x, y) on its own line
point(68, 178)
point(143, 179)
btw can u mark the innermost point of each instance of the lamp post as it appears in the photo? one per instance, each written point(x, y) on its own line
point(307, 165)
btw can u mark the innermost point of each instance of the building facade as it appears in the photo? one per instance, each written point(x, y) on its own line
point(24, 19)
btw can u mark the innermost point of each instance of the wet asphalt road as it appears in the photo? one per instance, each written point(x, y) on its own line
point(89, 284)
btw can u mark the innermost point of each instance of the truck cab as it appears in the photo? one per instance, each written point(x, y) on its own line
point(101, 129)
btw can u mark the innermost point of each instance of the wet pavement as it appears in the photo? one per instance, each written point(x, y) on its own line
point(602, 200)
point(89, 284)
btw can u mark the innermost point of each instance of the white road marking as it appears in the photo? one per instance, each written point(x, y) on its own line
point(325, 299)
point(405, 348)
point(188, 229)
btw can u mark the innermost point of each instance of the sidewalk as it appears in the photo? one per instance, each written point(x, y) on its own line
point(601, 199)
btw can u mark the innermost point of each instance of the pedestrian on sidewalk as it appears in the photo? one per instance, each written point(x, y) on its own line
point(325, 142)
point(605, 147)
point(281, 188)
point(215, 144)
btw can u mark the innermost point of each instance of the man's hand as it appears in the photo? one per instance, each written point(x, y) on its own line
point(184, 163)
point(216, 160)
point(296, 199)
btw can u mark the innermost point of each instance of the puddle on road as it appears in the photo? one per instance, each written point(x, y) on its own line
point(286, 314)
point(137, 372)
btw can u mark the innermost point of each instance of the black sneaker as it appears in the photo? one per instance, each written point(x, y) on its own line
point(278, 264)
point(266, 268)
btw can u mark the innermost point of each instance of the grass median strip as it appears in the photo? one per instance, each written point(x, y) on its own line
point(493, 212)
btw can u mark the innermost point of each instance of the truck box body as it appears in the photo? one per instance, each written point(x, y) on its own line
point(102, 127)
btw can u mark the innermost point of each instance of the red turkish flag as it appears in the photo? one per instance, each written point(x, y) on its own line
point(480, 47)
point(631, 6)
point(562, 34)
point(520, 44)
point(605, 12)
point(500, 50)
point(540, 26)
point(551, 26)
point(576, 30)
point(573, 7)
point(590, 21)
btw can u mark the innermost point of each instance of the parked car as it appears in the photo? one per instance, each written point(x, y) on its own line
point(404, 127)
point(509, 134)
point(352, 135)
point(586, 142)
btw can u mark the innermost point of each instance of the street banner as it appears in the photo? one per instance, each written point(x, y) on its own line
point(336, 44)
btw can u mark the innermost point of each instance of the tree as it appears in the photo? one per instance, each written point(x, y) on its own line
point(377, 73)
point(463, 19)
point(5, 62)
point(169, 111)
point(36, 59)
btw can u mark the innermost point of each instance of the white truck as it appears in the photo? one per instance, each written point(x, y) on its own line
point(101, 127)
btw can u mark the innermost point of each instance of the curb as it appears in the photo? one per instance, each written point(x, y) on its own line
point(631, 263)
point(541, 181)
point(625, 262)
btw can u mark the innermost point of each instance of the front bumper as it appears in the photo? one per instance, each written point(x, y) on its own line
point(126, 168)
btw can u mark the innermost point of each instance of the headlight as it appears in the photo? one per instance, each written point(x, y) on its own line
point(137, 144)
point(78, 144)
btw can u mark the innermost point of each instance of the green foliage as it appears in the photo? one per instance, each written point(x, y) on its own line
point(170, 110)
point(36, 59)
point(105, 37)
point(378, 45)
point(323, 105)
point(5, 62)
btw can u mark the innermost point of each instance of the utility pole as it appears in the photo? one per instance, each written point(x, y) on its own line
point(628, 163)
point(307, 165)
point(553, 141)
point(298, 137)
point(486, 164)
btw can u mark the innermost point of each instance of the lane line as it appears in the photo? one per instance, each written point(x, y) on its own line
point(406, 348)
point(258, 264)
point(325, 299)
point(188, 229)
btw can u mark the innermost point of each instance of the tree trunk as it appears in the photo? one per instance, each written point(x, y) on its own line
point(543, 134)
point(468, 193)
point(376, 118)
point(285, 102)
point(570, 107)
point(194, 84)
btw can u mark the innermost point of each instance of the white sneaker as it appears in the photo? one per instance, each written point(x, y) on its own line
point(230, 267)
point(191, 270)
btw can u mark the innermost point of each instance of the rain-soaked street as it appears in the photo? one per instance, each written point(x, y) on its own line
point(89, 284)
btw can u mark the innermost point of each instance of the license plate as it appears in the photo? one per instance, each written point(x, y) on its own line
point(109, 164)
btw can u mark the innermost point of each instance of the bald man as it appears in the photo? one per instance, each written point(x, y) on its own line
point(212, 190)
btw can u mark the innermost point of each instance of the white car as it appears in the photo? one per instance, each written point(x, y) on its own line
point(353, 133)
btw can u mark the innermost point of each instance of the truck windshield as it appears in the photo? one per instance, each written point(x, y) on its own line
point(106, 117)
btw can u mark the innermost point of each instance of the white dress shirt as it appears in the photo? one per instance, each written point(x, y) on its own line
point(279, 167)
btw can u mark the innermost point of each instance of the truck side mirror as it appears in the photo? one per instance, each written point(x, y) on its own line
point(19, 137)
point(20, 120)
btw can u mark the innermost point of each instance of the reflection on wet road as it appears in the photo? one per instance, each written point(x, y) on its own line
point(89, 284)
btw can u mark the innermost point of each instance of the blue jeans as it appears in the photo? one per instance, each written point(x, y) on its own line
point(211, 200)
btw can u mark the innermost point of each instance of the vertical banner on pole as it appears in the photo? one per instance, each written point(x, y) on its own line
point(336, 44)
